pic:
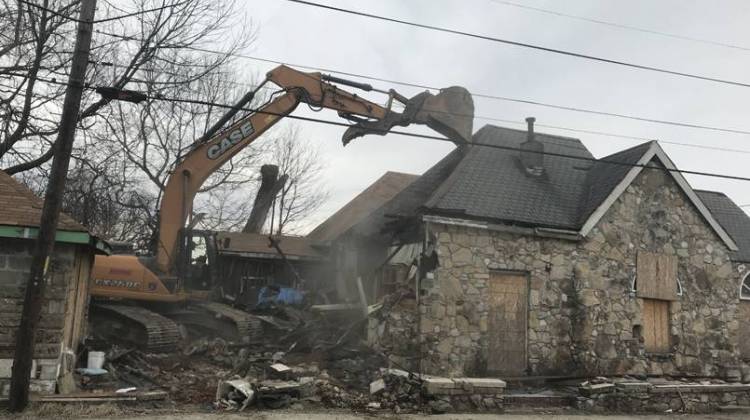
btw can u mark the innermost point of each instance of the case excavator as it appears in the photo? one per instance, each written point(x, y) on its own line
point(143, 300)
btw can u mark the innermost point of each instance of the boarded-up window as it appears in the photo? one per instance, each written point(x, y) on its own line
point(656, 325)
point(656, 276)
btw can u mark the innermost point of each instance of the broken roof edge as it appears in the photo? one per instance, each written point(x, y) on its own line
point(655, 150)
point(327, 231)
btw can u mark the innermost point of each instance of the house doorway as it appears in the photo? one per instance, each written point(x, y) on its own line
point(508, 324)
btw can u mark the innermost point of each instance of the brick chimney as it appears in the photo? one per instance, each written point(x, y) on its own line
point(532, 151)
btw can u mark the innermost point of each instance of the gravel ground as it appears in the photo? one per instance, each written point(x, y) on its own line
point(342, 416)
point(106, 412)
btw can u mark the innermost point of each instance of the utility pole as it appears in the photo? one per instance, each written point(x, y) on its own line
point(24, 352)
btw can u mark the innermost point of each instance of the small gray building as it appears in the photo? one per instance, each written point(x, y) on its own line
point(63, 320)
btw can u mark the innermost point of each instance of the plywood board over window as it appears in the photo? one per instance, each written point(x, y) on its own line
point(656, 325)
point(656, 276)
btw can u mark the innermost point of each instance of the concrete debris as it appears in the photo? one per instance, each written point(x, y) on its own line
point(234, 394)
point(377, 386)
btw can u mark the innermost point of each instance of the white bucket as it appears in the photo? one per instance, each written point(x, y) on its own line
point(96, 360)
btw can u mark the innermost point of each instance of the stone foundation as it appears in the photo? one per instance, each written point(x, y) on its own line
point(644, 397)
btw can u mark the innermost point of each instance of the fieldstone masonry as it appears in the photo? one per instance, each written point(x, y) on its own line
point(15, 258)
point(584, 316)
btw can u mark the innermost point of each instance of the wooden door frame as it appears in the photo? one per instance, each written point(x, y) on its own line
point(527, 275)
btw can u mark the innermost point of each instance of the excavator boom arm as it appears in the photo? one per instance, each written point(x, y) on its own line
point(190, 174)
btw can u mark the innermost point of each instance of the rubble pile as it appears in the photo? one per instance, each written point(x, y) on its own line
point(397, 390)
point(303, 358)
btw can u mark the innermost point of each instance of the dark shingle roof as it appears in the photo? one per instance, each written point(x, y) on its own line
point(604, 177)
point(731, 217)
point(490, 183)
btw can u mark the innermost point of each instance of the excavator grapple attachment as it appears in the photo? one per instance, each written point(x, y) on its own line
point(450, 113)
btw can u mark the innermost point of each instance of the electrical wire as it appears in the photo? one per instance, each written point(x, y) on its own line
point(475, 94)
point(524, 44)
point(127, 15)
point(427, 136)
point(510, 121)
point(430, 137)
point(621, 26)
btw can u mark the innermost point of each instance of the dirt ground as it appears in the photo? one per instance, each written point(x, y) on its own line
point(335, 416)
point(111, 412)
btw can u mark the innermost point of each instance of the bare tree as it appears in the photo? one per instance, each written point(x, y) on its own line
point(125, 152)
point(304, 191)
point(136, 52)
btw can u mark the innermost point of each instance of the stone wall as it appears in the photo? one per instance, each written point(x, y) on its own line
point(393, 330)
point(583, 312)
point(643, 397)
point(15, 260)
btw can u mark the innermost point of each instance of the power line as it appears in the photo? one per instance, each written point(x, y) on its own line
point(426, 136)
point(127, 15)
point(621, 26)
point(480, 117)
point(430, 137)
point(475, 94)
point(523, 44)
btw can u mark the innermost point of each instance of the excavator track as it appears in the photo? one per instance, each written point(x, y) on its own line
point(248, 327)
point(153, 332)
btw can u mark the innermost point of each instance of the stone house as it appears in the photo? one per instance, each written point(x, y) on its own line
point(563, 264)
point(64, 312)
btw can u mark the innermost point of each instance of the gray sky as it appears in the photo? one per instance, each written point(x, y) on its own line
point(301, 34)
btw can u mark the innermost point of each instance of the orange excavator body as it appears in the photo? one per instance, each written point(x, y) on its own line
point(165, 278)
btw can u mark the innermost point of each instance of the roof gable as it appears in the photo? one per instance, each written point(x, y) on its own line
point(654, 151)
point(377, 194)
point(20, 207)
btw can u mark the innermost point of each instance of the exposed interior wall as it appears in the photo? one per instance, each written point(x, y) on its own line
point(583, 314)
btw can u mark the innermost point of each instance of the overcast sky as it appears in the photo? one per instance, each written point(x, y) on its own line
point(300, 34)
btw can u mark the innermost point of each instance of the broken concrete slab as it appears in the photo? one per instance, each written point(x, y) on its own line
point(377, 386)
point(592, 389)
point(435, 385)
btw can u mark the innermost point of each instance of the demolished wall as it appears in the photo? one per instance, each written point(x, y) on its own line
point(583, 316)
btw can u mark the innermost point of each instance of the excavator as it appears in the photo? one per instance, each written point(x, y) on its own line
point(144, 300)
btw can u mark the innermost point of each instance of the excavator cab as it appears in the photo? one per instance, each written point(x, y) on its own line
point(196, 265)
